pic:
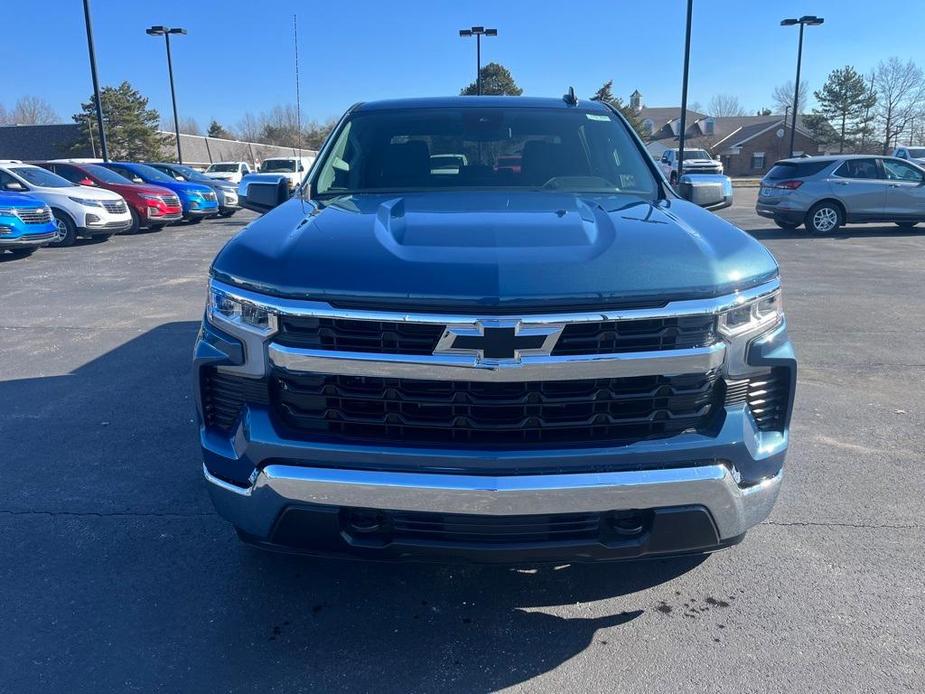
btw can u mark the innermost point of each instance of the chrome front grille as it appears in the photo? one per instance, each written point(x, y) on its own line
point(171, 200)
point(37, 215)
point(210, 196)
point(115, 206)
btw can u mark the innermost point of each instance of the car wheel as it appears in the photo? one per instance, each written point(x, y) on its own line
point(790, 226)
point(22, 252)
point(67, 230)
point(194, 220)
point(156, 227)
point(136, 223)
point(824, 218)
point(673, 178)
point(906, 225)
point(225, 215)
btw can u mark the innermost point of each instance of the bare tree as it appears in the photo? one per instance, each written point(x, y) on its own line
point(33, 110)
point(723, 105)
point(250, 127)
point(188, 126)
point(900, 93)
point(4, 118)
point(783, 96)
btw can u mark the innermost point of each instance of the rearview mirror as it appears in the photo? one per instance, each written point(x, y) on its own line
point(710, 191)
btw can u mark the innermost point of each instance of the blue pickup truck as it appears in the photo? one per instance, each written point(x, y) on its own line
point(488, 329)
point(26, 224)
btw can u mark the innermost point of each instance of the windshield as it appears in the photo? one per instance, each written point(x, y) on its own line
point(41, 177)
point(223, 167)
point(272, 165)
point(150, 173)
point(696, 154)
point(105, 175)
point(190, 174)
point(515, 148)
point(916, 152)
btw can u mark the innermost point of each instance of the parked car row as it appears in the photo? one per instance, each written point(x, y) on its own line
point(55, 202)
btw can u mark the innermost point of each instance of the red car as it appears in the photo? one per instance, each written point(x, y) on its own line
point(152, 207)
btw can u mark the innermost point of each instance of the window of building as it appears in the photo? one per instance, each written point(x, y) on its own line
point(757, 160)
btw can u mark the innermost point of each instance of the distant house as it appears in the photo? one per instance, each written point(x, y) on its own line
point(59, 141)
point(747, 145)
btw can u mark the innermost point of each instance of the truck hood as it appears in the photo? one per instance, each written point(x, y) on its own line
point(493, 251)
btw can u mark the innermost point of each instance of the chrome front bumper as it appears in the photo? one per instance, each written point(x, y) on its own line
point(734, 509)
point(28, 240)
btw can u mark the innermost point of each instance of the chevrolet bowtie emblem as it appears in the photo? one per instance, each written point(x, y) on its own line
point(499, 340)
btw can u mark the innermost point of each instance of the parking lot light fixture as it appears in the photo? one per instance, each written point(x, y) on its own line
point(159, 30)
point(478, 33)
point(805, 20)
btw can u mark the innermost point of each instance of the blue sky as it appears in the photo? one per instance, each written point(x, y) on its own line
point(238, 54)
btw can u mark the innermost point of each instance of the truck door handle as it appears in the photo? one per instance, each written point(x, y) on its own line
point(840, 183)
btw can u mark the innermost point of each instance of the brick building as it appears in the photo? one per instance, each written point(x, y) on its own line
point(747, 145)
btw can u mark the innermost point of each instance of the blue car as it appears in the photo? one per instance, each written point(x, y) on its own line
point(198, 201)
point(26, 223)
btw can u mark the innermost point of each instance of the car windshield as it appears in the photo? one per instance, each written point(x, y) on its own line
point(41, 177)
point(223, 167)
point(916, 152)
point(190, 174)
point(150, 173)
point(104, 174)
point(696, 154)
point(272, 165)
point(512, 148)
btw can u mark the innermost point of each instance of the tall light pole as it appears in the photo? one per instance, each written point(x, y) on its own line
point(478, 33)
point(96, 85)
point(687, 65)
point(810, 20)
point(166, 32)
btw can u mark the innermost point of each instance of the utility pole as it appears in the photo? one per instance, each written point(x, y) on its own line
point(687, 64)
point(96, 84)
point(166, 32)
point(478, 32)
point(810, 20)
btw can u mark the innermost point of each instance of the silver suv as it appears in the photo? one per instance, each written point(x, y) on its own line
point(826, 192)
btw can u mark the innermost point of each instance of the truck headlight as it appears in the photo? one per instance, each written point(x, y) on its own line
point(752, 317)
point(226, 309)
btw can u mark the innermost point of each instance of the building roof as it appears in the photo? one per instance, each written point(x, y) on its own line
point(661, 115)
point(61, 140)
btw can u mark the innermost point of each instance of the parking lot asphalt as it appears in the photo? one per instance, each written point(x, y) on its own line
point(118, 576)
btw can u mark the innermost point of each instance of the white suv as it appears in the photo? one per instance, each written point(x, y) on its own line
point(79, 210)
point(232, 171)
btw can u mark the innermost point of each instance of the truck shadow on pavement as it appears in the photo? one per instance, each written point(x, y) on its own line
point(113, 550)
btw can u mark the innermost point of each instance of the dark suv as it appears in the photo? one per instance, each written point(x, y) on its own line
point(560, 361)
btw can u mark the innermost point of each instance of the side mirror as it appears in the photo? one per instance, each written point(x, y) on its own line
point(15, 186)
point(261, 193)
point(710, 191)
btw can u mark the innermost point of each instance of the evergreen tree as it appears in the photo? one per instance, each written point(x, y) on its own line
point(605, 94)
point(130, 126)
point(496, 79)
point(843, 100)
point(216, 129)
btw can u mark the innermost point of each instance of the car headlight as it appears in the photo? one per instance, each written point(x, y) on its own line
point(227, 309)
point(752, 317)
point(86, 201)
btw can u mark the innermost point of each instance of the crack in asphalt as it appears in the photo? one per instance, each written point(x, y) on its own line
point(111, 514)
point(819, 524)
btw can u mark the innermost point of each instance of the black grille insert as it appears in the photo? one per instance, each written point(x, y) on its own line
point(767, 396)
point(409, 411)
point(615, 337)
point(224, 396)
point(345, 335)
